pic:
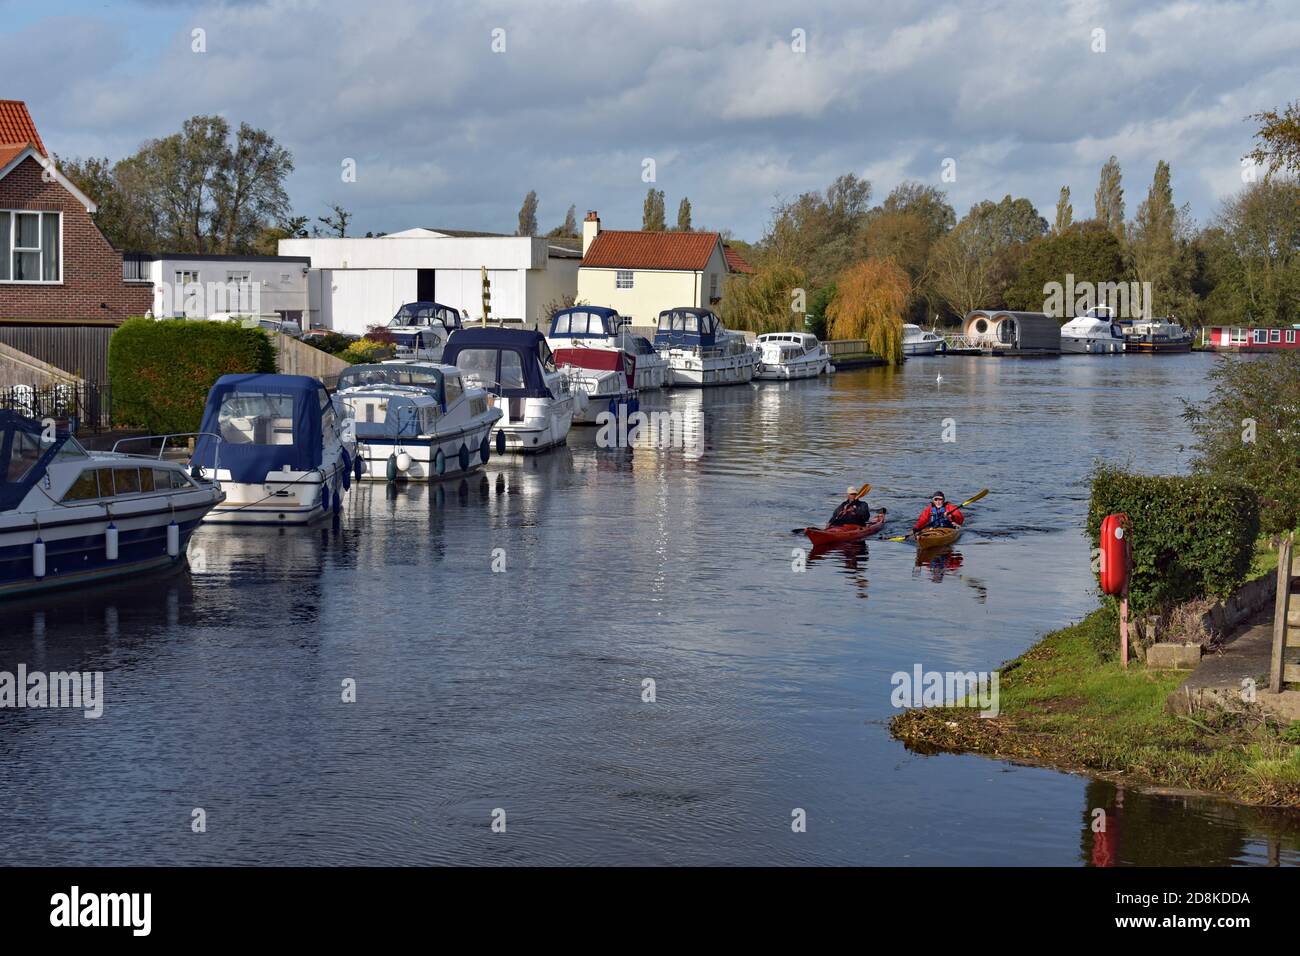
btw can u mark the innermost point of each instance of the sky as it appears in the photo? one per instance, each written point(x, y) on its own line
point(452, 111)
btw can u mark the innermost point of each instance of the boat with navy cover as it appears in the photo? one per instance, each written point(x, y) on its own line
point(280, 447)
point(70, 517)
point(518, 368)
point(594, 326)
point(701, 352)
point(421, 329)
point(417, 421)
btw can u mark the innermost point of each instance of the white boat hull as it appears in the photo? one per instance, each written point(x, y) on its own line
point(692, 371)
point(921, 348)
point(424, 458)
point(1089, 345)
point(545, 424)
point(789, 371)
point(285, 498)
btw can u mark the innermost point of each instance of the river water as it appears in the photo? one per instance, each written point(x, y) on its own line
point(516, 695)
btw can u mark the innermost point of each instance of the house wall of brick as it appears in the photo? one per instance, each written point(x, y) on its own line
point(92, 289)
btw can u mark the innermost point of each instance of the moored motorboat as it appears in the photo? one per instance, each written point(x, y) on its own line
point(70, 517)
point(417, 421)
point(421, 329)
point(279, 446)
point(594, 326)
point(701, 352)
point(840, 534)
point(604, 376)
point(1155, 336)
point(517, 367)
point(1093, 333)
point(791, 355)
point(917, 341)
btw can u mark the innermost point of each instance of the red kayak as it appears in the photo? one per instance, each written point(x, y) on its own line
point(844, 532)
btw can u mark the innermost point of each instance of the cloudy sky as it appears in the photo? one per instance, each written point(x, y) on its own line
point(448, 131)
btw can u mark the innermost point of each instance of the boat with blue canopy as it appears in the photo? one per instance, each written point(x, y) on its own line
point(598, 327)
point(417, 421)
point(280, 447)
point(421, 329)
point(518, 368)
point(71, 517)
point(701, 352)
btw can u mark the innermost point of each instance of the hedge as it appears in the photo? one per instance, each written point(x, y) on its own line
point(1191, 536)
point(161, 369)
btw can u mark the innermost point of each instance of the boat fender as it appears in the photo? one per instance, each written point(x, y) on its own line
point(613, 407)
point(346, 472)
point(325, 497)
point(358, 466)
point(392, 466)
point(464, 457)
point(173, 539)
point(484, 450)
point(38, 557)
point(440, 462)
point(501, 442)
point(110, 542)
point(404, 462)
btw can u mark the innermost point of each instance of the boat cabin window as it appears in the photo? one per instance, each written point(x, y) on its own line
point(86, 486)
point(112, 482)
point(512, 370)
point(480, 362)
point(454, 389)
point(546, 356)
point(562, 324)
point(24, 453)
point(256, 419)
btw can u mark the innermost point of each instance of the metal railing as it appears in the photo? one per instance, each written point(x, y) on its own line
point(85, 405)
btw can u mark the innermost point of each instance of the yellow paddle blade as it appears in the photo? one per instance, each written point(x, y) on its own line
point(977, 497)
point(864, 489)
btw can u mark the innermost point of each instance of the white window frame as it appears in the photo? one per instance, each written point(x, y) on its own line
point(1290, 336)
point(179, 294)
point(1261, 336)
point(622, 276)
point(39, 249)
point(1274, 335)
point(713, 285)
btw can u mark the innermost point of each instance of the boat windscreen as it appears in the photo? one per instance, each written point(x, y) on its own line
point(26, 449)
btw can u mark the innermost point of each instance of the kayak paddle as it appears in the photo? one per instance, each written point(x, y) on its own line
point(866, 486)
point(969, 501)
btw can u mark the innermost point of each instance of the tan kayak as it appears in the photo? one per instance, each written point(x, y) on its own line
point(929, 538)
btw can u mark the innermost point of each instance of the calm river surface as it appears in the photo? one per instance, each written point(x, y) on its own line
point(522, 690)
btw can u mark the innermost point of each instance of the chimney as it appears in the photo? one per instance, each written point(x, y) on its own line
point(590, 229)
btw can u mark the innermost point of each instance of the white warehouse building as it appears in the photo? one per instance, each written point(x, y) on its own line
point(357, 283)
point(196, 286)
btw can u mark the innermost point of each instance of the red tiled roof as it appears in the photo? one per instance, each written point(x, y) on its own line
point(17, 128)
point(7, 154)
point(626, 249)
point(735, 261)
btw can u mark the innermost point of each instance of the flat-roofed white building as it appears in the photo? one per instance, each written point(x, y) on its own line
point(357, 283)
point(196, 286)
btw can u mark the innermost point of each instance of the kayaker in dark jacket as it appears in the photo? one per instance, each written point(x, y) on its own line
point(939, 514)
point(853, 510)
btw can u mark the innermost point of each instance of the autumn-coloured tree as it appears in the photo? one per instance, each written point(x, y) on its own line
point(869, 302)
point(773, 299)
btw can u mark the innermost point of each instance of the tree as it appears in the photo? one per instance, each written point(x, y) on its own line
point(528, 215)
point(1156, 240)
point(820, 233)
point(116, 215)
point(652, 215)
point(1279, 139)
point(972, 266)
point(337, 221)
point(869, 301)
point(1109, 198)
point(1264, 392)
point(569, 228)
point(1064, 211)
point(1087, 250)
point(762, 302)
point(253, 191)
point(927, 203)
point(1252, 252)
point(684, 215)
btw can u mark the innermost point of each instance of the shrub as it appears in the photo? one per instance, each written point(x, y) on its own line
point(1191, 536)
point(367, 350)
point(161, 369)
point(333, 343)
point(1249, 429)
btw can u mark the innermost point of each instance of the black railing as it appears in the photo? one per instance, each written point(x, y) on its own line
point(87, 407)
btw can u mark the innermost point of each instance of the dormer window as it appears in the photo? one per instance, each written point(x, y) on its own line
point(30, 246)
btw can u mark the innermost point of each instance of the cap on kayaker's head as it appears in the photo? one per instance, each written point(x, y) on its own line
point(852, 492)
point(938, 498)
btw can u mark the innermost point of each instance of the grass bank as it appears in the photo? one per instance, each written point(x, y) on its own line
point(1066, 703)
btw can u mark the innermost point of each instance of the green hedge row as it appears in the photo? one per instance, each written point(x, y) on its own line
point(1191, 536)
point(161, 369)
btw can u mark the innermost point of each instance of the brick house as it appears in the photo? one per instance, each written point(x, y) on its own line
point(57, 271)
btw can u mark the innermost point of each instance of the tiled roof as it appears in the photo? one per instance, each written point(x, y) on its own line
point(16, 126)
point(674, 251)
point(7, 154)
point(735, 261)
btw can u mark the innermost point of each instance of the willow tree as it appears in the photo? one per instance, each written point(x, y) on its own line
point(869, 303)
point(770, 300)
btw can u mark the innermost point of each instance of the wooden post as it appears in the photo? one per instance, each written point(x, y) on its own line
point(1278, 662)
point(1123, 627)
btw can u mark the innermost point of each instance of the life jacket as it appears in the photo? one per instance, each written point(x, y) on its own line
point(939, 518)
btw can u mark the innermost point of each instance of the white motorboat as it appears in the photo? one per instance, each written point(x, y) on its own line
point(917, 341)
point(517, 367)
point(594, 326)
point(1094, 332)
point(605, 377)
point(421, 329)
point(70, 517)
point(417, 421)
point(701, 352)
point(1155, 336)
point(285, 451)
point(791, 355)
